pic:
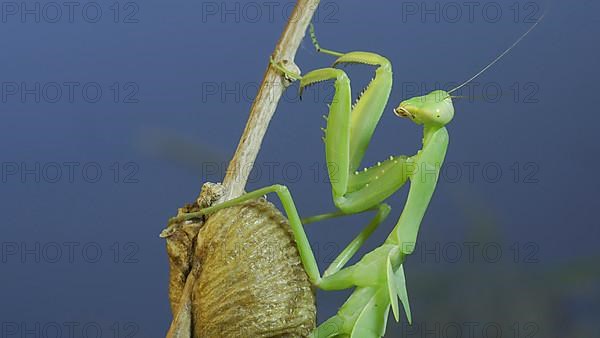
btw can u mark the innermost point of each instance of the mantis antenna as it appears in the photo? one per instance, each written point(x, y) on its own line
point(499, 56)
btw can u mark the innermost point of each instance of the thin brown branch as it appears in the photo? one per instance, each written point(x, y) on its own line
point(267, 99)
point(265, 104)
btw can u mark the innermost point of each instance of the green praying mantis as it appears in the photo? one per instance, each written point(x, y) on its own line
point(378, 277)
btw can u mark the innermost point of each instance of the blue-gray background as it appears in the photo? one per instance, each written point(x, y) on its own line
point(81, 250)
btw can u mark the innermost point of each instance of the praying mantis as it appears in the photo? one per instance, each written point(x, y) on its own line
point(378, 277)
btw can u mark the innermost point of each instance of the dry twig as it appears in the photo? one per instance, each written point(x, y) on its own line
point(265, 104)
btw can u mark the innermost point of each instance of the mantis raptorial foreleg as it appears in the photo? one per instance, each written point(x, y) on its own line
point(349, 131)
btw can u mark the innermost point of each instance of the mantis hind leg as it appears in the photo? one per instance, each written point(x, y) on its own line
point(306, 254)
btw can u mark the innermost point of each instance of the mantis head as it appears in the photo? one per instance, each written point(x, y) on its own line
point(434, 109)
